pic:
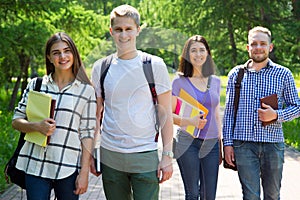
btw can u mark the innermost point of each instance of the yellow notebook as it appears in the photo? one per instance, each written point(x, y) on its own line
point(38, 108)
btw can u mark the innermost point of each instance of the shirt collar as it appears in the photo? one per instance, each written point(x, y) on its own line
point(270, 64)
point(50, 79)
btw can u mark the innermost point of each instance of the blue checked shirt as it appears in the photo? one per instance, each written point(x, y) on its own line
point(269, 80)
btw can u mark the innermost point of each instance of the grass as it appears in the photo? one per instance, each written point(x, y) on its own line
point(291, 133)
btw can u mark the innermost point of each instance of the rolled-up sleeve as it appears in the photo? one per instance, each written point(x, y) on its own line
point(88, 118)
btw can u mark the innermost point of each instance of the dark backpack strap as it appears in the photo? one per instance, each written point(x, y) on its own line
point(208, 82)
point(38, 84)
point(237, 91)
point(104, 69)
point(147, 67)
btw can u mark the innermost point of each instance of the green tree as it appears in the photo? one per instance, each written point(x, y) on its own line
point(22, 38)
point(25, 27)
point(166, 24)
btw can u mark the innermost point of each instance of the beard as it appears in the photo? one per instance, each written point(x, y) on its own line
point(259, 59)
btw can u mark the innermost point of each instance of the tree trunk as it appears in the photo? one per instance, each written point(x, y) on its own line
point(24, 66)
point(25, 61)
point(296, 12)
point(105, 11)
point(232, 43)
point(296, 9)
point(14, 94)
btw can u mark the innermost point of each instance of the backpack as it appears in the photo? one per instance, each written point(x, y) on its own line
point(147, 68)
point(12, 174)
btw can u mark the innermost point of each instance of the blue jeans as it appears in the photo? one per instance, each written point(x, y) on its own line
point(255, 161)
point(198, 161)
point(38, 188)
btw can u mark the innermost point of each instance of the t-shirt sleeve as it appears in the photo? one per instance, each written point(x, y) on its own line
point(96, 71)
point(176, 86)
point(161, 75)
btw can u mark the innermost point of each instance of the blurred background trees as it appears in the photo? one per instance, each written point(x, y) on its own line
point(25, 25)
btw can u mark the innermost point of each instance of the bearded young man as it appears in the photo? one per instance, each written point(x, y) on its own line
point(257, 149)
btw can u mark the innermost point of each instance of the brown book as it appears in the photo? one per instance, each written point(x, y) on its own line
point(52, 108)
point(272, 101)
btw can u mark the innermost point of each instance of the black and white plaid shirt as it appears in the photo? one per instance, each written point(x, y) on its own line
point(75, 116)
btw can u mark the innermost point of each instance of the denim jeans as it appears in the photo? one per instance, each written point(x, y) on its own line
point(198, 161)
point(255, 161)
point(38, 188)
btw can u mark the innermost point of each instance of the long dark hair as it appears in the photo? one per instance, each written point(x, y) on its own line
point(185, 66)
point(77, 67)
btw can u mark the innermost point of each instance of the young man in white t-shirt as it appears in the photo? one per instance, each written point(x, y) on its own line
point(130, 162)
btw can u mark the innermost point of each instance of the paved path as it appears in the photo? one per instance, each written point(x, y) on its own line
point(228, 184)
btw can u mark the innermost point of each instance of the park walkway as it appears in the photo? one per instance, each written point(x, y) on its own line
point(228, 184)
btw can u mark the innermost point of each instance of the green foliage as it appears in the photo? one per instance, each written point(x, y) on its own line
point(26, 25)
point(224, 80)
point(9, 138)
point(291, 133)
point(166, 43)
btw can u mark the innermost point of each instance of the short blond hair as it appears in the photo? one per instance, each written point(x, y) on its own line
point(125, 11)
point(260, 29)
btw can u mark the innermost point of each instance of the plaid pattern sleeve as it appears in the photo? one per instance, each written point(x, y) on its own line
point(75, 117)
point(291, 100)
point(272, 79)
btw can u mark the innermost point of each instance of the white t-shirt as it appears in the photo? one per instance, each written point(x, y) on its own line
point(129, 116)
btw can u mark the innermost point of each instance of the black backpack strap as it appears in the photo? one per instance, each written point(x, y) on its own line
point(38, 84)
point(147, 67)
point(208, 82)
point(237, 90)
point(104, 69)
